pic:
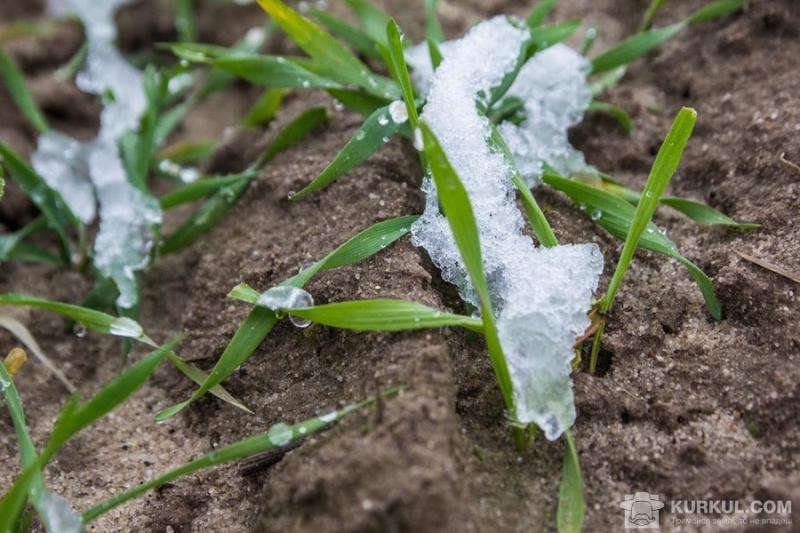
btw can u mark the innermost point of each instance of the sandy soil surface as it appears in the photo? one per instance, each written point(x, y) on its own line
point(684, 407)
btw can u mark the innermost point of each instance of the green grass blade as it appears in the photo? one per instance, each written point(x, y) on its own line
point(260, 321)
point(705, 214)
point(278, 435)
point(649, 14)
point(372, 18)
point(49, 202)
point(571, 506)
point(457, 208)
point(541, 227)
point(436, 54)
point(265, 108)
point(665, 165)
point(362, 103)
point(185, 152)
point(697, 211)
point(336, 61)
point(273, 71)
point(367, 140)
point(643, 42)
point(184, 20)
point(400, 70)
point(77, 416)
point(433, 29)
point(356, 38)
point(615, 215)
point(539, 13)
point(27, 450)
point(294, 132)
point(384, 315)
point(547, 36)
point(15, 83)
point(619, 114)
point(634, 47)
point(607, 80)
point(199, 189)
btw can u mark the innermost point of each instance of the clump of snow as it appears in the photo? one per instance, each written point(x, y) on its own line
point(540, 296)
point(81, 172)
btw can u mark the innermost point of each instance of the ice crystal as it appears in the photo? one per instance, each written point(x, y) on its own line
point(541, 296)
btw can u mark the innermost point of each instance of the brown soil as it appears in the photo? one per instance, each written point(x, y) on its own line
point(684, 406)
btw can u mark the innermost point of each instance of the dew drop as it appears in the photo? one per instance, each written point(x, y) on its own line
point(398, 111)
point(596, 215)
point(383, 120)
point(419, 142)
point(79, 329)
point(125, 327)
point(280, 434)
point(360, 135)
point(330, 417)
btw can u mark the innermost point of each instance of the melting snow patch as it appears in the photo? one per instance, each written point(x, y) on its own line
point(541, 296)
point(82, 171)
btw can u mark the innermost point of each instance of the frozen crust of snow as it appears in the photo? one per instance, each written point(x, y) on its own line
point(541, 296)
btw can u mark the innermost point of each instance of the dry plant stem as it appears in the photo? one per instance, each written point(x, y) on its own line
point(769, 266)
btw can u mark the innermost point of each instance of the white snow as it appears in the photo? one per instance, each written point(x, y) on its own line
point(81, 172)
point(541, 296)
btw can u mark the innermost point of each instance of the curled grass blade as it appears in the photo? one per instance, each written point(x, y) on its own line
point(15, 83)
point(384, 315)
point(334, 60)
point(366, 141)
point(260, 321)
point(278, 435)
point(455, 204)
point(643, 42)
point(571, 506)
point(619, 114)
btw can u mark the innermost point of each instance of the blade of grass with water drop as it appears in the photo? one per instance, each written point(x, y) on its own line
point(199, 189)
point(59, 217)
point(643, 42)
point(571, 506)
point(360, 102)
point(15, 83)
point(273, 71)
point(619, 114)
point(455, 204)
point(400, 71)
point(260, 320)
point(546, 36)
point(118, 326)
point(275, 437)
point(384, 315)
point(336, 61)
point(76, 416)
point(539, 13)
point(366, 141)
point(217, 206)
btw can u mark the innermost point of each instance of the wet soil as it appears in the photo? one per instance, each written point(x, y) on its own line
point(684, 407)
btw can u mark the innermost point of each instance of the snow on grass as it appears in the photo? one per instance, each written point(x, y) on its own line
point(540, 295)
point(81, 172)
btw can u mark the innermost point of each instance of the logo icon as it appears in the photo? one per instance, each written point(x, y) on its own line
point(641, 510)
